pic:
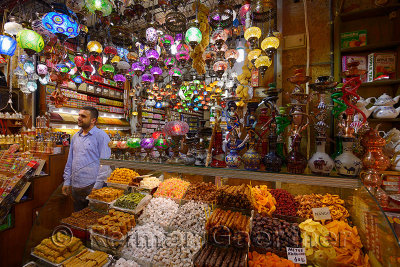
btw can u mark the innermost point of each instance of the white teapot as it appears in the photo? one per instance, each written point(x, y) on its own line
point(392, 141)
point(362, 103)
point(385, 109)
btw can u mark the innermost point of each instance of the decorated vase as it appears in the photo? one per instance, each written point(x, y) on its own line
point(320, 163)
point(347, 163)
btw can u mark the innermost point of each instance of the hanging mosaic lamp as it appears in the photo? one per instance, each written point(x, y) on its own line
point(151, 35)
point(110, 51)
point(169, 62)
point(175, 73)
point(87, 70)
point(122, 53)
point(209, 58)
point(138, 68)
point(147, 79)
point(100, 7)
point(79, 60)
point(30, 41)
point(243, 12)
point(182, 56)
point(94, 47)
point(120, 79)
point(12, 27)
point(253, 55)
point(152, 55)
point(156, 72)
point(123, 66)
point(231, 55)
point(7, 45)
point(167, 41)
point(108, 70)
point(219, 37)
point(252, 35)
point(270, 44)
point(63, 26)
point(42, 69)
point(220, 68)
point(145, 61)
point(132, 56)
point(193, 36)
point(221, 51)
point(262, 63)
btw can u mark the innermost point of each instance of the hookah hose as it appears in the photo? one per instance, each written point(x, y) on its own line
point(340, 105)
point(281, 122)
point(349, 90)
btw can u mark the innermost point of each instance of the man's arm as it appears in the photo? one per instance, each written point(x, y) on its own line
point(104, 170)
point(66, 189)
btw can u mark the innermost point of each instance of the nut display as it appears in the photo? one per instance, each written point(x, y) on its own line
point(172, 188)
point(211, 255)
point(149, 183)
point(228, 228)
point(125, 263)
point(106, 194)
point(285, 202)
point(191, 217)
point(159, 211)
point(206, 192)
point(178, 249)
point(116, 224)
point(234, 196)
point(87, 258)
point(269, 259)
point(58, 247)
point(122, 176)
point(83, 218)
point(144, 241)
point(263, 201)
point(129, 201)
point(273, 233)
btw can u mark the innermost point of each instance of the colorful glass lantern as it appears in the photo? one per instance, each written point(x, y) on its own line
point(231, 55)
point(169, 62)
point(176, 128)
point(219, 37)
point(96, 61)
point(270, 44)
point(100, 7)
point(123, 66)
point(220, 68)
point(243, 12)
point(94, 47)
point(253, 55)
point(87, 70)
point(115, 60)
point(30, 41)
point(221, 51)
point(152, 55)
point(122, 52)
point(7, 45)
point(147, 79)
point(252, 35)
point(209, 58)
point(132, 56)
point(78, 79)
point(79, 60)
point(193, 36)
point(182, 56)
point(120, 79)
point(156, 72)
point(262, 63)
point(138, 68)
point(12, 27)
point(145, 61)
point(108, 70)
point(41, 69)
point(183, 47)
point(167, 41)
point(62, 25)
point(151, 35)
point(110, 51)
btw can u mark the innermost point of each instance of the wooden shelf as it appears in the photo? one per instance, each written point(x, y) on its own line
point(93, 94)
point(380, 83)
point(339, 182)
point(383, 120)
point(371, 47)
point(369, 13)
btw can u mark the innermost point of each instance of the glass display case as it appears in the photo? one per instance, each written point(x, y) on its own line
point(358, 232)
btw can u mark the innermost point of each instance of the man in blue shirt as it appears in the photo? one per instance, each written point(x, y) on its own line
point(83, 171)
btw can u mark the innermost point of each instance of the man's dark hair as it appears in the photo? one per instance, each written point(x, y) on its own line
point(94, 113)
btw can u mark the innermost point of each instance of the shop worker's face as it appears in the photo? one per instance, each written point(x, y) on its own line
point(85, 120)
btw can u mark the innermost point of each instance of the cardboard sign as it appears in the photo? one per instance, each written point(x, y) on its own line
point(321, 214)
point(296, 255)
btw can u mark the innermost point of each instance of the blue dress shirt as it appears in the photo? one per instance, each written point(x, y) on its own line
point(83, 166)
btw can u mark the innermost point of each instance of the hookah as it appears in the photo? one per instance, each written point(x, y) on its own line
point(320, 163)
point(347, 163)
point(296, 161)
point(338, 108)
point(215, 151)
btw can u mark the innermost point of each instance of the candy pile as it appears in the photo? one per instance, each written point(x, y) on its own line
point(129, 201)
point(122, 176)
point(116, 224)
point(106, 194)
point(269, 259)
point(172, 188)
point(206, 192)
point(159, 211)
point(125, 263)
point(191, 217)
point(144, 241)
point(219, 256)
point(149, 183)
point(285, 202)
point(228, 227)
point(234, 196)
point(179, 249)
point(87, 258)
point(83, 218)
point(335, 204)
point(315, 241)
point(347, 244)
point(273, 233)
point(58, 247)
point(263, 201)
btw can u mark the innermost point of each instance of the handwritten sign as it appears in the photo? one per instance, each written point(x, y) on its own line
point(321, 214)
point(296, 255)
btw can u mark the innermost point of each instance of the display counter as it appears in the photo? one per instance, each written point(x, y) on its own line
point(15, 232)
point(355, 233)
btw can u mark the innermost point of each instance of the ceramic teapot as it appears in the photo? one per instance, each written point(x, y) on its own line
point(385, 109)
point(392, 141)
point(362, 103)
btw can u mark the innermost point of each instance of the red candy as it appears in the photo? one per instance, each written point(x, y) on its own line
point(285, 202)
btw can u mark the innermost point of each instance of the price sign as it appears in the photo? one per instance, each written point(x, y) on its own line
point(296, 255)
point(321, 214)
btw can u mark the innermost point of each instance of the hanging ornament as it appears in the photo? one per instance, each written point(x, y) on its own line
point(12, 27)
point(231, 55)
point(262, 63)
point(138, 68)
point(156, 72)
point(100, 7)
point(94, 47)
point(167, 41)
point(220, 68)
point(62, 25)
point(219, 37)
point(253, 55)
point(30, 41)
point(152, 55)
point(252, 35)
point(7, 45)
point(193, 36)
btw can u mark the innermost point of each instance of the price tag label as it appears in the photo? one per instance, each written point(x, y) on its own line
point(296, 255)
point(321, 213)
